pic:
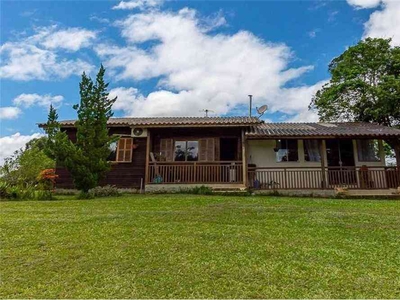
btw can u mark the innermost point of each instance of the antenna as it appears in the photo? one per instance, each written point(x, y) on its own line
point(206, 111)
point(261, 110)
point(250, 104)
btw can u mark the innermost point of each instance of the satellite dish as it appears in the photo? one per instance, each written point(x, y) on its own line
point(261, 110)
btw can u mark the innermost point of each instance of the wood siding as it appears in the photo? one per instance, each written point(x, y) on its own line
point(122, 175)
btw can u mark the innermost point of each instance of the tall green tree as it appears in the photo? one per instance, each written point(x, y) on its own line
point(365, 86)
point(86, 159)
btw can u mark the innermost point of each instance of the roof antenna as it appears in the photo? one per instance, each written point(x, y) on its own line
point(206, 111)
point(251, 104)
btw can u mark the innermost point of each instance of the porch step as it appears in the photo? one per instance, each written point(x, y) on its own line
point(240, 189)
point(386, 192)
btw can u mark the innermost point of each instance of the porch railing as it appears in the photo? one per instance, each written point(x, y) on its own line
point(316, 178)
point(196, 172)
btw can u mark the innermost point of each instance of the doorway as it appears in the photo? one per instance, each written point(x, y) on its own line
point(228, 149)
point(340, 157)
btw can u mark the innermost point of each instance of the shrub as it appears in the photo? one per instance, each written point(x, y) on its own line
point(28, 192)
point(66, 192)
point(198, 190)
point(104, 191)
point(3, 190)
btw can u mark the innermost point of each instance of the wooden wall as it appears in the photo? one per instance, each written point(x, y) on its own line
point(123, 175)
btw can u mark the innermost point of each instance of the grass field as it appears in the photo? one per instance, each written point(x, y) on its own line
point(181, 246)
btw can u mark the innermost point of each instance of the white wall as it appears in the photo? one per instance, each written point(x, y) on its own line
point(261, 153)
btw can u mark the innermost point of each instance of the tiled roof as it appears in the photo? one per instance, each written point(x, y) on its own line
point(175, 121)
point(348, 129)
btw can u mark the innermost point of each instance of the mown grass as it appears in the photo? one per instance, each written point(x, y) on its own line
point(182, 246)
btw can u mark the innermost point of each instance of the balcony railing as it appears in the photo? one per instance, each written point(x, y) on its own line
point(196, 172)
point(329, 178)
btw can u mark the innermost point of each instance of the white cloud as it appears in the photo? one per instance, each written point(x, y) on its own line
point(9, 144)
point(27, 100)
point(10, 112)
point(304, 116)
point(138, 4)
point(313, 33)
point(364, 3)
point(198, 69)
point(71, 39)
point(127, 99)
point(36, 56)
point(383, 23)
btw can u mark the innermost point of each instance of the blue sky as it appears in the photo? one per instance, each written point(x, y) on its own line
point(176, 57)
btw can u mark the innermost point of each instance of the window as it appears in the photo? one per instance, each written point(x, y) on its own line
point(368, 150)
point(311, 150)
point(121, 150)
point(113, 151)
point(287, 151)
point(186, 150)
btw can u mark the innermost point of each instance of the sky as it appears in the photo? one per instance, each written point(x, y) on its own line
point(176, 58)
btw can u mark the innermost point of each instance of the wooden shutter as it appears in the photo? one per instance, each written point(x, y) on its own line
point(211, 149)
point(166, 148)
point(207, 149)
point(217, 149)
point(124, 150)
point(202, 149)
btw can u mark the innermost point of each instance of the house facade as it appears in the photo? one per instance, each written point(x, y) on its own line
point(244, 152)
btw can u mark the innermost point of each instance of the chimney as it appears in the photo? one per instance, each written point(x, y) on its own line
point(250, 104)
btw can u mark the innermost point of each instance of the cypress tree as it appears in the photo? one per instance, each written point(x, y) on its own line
point(86, 159)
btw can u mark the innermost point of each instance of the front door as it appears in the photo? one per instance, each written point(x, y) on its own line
point(228, 149)
point(340, 157)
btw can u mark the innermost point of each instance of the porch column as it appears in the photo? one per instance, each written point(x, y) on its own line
point(244, 158)
point(322, 147)
point(148, 144)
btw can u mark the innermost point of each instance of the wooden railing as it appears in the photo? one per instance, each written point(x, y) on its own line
point(316, 178)
point(196, 172)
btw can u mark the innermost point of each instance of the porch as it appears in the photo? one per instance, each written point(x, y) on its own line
point(216, 172)
point(316, 178)
point(273, 178)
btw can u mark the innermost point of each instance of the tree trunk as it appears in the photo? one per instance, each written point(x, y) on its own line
point(395, 144)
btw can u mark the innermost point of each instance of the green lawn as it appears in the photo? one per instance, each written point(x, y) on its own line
point(181, 246)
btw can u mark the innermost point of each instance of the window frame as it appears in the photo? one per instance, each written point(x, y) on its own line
point(186, 141)
point(117, 161)
point(358, 142)
point(287, 148)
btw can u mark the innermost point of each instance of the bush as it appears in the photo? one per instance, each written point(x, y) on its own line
point(4, 190)
point(66, 192)
point(103, 191)
point(29, 192)
point(198, 190)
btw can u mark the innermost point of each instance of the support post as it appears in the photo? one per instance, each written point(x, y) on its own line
point(322, 152)
point(244, 159)
point(148, 144)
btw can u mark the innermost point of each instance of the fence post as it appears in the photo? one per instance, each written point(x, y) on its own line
point(322, 150)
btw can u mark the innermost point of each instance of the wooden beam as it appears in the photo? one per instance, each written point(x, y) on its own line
point(244, 158)
point(322, 152)
point(148, 145)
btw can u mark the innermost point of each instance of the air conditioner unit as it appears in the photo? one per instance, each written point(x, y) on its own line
point(139, 132)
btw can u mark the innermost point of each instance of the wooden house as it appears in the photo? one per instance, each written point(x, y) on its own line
point(244, 152)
